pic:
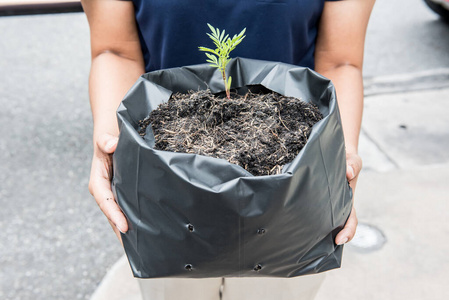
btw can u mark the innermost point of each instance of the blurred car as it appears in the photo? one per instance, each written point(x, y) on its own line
point(441, 7)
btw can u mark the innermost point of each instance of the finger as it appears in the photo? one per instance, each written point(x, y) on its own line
point(116, 231)
point(107, 143)
point(350, 174)
point(348, 232)
point(113, 213)
point(105, 200)
point(353, 166)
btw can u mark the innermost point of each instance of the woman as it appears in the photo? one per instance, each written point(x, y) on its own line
point(130, 38)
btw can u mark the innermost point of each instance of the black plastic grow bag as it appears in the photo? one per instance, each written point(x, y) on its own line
point(196, 216)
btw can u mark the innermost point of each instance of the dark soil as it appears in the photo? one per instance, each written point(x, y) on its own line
point(259, 132)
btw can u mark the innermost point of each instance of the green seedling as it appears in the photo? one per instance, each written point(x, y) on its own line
point(219, 58)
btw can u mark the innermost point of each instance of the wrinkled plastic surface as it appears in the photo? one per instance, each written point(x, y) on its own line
point(196, 216)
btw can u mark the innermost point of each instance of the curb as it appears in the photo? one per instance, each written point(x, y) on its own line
point(390, 84)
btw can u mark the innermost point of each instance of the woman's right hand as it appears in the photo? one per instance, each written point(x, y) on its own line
point(100, 182)
point(117, 62)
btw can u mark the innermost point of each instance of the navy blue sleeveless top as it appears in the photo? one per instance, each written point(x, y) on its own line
point(277, 30)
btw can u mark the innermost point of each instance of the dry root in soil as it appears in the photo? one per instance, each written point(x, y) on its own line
point(260, 133)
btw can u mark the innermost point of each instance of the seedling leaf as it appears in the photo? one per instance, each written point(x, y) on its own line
point(220, 56)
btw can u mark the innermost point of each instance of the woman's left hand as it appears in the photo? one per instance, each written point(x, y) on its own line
point(353, 167)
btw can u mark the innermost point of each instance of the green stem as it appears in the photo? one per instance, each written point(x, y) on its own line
point(228, 93)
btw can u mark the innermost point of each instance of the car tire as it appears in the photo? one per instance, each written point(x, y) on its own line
point(439, 9)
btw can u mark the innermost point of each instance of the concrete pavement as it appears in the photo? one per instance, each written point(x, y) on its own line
point(411, 208)
point(403, 192)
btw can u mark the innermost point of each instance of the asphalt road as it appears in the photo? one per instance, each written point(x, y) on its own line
point(55, 243)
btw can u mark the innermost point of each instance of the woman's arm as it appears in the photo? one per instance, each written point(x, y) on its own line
point(339, 57)
point(117, 63)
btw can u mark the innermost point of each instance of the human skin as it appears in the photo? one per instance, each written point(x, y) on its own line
point(117, 63)
point(339, 57)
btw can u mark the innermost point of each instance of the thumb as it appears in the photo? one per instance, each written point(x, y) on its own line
point(350, 174)
point(353, 166)
point(107, 143)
